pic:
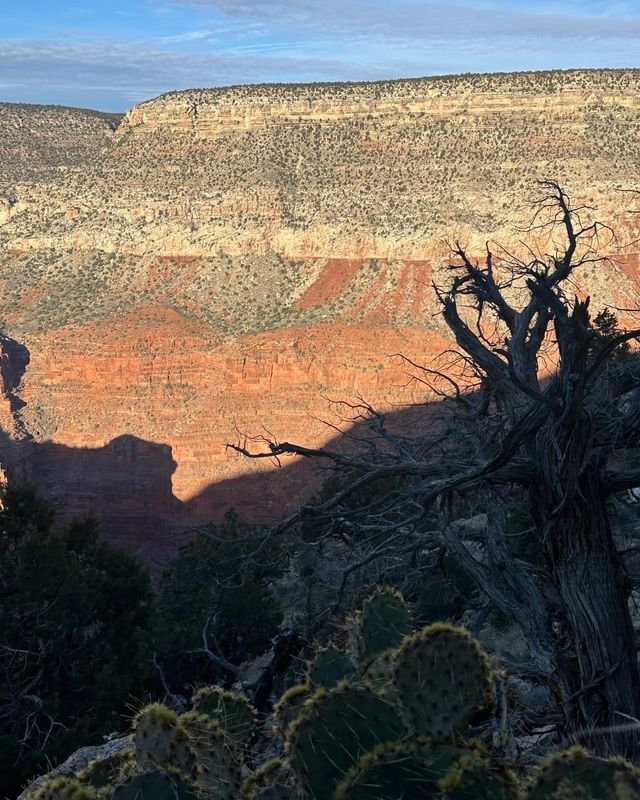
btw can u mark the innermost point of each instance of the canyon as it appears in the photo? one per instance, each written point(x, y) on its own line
point(218, 264)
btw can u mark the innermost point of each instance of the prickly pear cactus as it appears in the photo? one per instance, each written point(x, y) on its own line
point(127, 769)
point(384, 623)
point(473, 777)
point(219, 774)
point(289, 706)
point(203, 731)
point(233, 712)
point(329, 667)
point(218, 764)
point(379, 675)
point(399, 771)
point(442, 679)
point(272, 772)
point(107, 771)
point(271, 782)
point(576, 773)
point(334, 730)
point(153, 786)
point(397, 735)
point(161, 742)
point(60, 787)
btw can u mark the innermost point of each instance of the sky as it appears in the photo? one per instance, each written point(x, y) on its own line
point(112, 54)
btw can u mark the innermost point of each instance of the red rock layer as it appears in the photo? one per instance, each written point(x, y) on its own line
point(132, 421)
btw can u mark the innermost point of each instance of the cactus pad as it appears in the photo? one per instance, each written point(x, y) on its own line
point(106, 771)
point(334, 731)
point(272, 773)
point(399, 771)
point(576, 773)
point(442, 679)
point(379, 676)
point(217, 760)
point(60, 787)
point(203, 731)
point(384, 623)
point(233, 712)
point(329, 667)
point(153, 786)
point(161, 742)
point(474, 778)
point(289, 706)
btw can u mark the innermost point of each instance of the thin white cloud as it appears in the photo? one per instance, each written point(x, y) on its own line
point(114, 76)
point(413, 19)
point(271, 47)
point(254, 41)
point(188, 36)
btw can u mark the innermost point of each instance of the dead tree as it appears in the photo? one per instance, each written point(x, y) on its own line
point(551, 412)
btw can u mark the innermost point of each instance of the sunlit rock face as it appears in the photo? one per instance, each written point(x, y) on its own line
point(217, 261)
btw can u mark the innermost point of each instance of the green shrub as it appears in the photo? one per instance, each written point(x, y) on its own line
point(74, 636)
point(216, 579)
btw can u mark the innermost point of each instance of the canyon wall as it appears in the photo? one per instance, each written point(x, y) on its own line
point(221, 262)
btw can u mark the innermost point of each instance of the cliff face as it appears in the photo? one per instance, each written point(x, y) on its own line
point(227, 259)
point(344, 171)
point(40, 144)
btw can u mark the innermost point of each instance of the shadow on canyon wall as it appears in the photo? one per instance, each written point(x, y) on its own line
point(127, 484)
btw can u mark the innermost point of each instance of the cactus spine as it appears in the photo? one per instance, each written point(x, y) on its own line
point(60, 787)
point(161, 742)
point(233, 712)
point(334, 730)
point(289, 706)
point(398, 771)
point(576, 773)
point(442, 679)
point(329, 667)
point(384, 623)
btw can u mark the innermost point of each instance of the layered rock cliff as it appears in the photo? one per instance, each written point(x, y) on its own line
point(227, 259)
point(344, 171)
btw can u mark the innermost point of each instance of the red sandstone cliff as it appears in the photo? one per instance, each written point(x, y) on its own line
point(229, 259)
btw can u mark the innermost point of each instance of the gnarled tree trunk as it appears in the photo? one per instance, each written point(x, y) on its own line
point(599, 660)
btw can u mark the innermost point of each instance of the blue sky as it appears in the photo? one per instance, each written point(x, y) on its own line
point(111, 54)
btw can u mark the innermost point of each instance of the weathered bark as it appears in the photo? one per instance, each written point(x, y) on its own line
point(511, 585)
point(569, 502)
point(599, 669)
